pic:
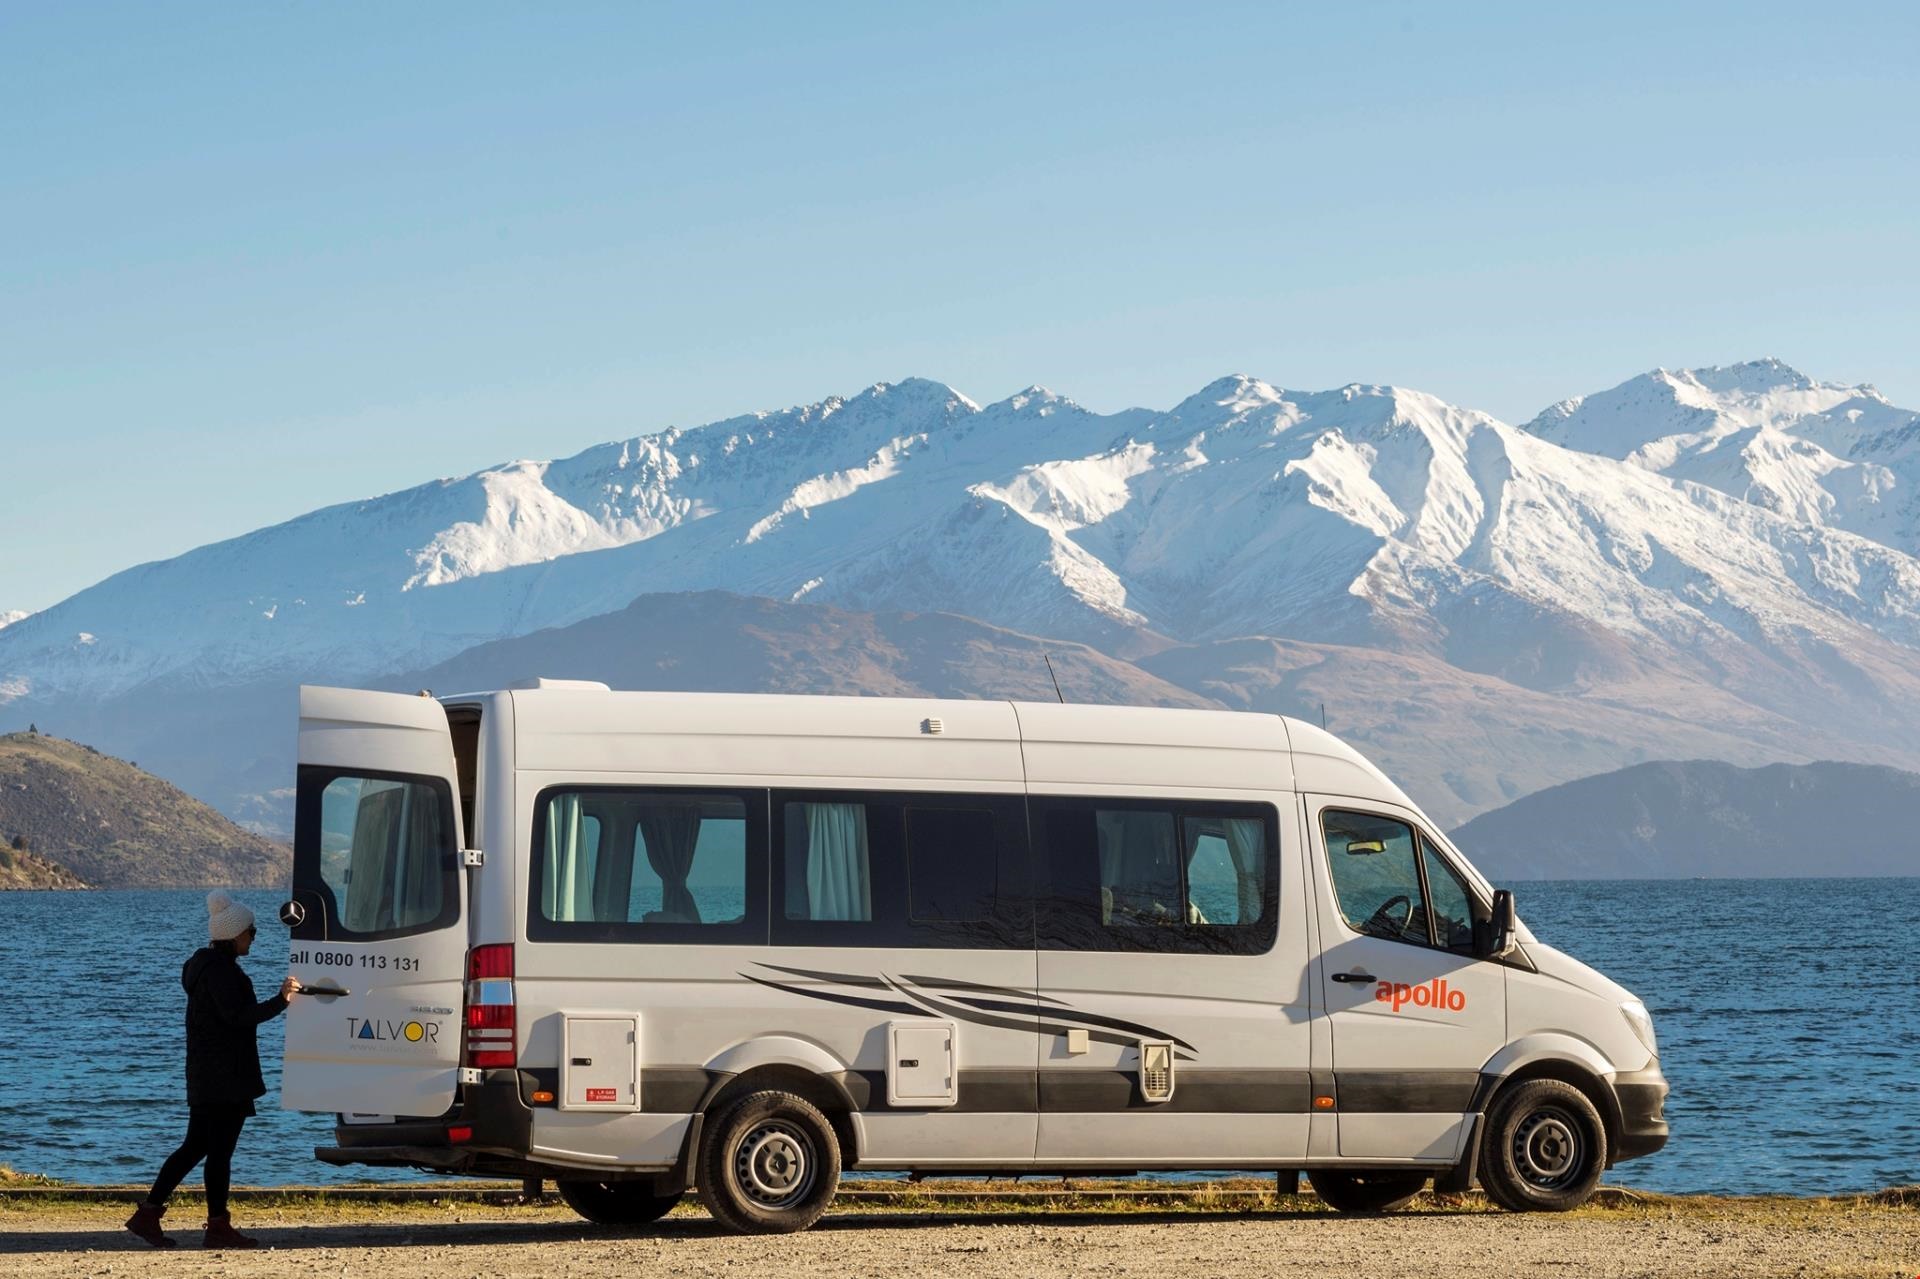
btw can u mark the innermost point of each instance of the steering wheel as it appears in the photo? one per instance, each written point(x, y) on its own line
point(1379, 920)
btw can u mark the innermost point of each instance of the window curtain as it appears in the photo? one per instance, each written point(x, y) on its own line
point(1247, 847)
point(671, 831)
point(838, 885)
point(370, 866)
point(420, 853)
point(566, 871)
point(1139, 870)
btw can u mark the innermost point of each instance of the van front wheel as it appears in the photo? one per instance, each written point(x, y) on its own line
point(617, 1203)
point(1362, 1191)
point(769, 1166)
point(1545, 1148)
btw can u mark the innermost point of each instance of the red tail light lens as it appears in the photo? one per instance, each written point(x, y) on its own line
point(485, 963)
point(490, 1007)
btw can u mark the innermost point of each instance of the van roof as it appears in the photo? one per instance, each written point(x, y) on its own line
point(1064, 744)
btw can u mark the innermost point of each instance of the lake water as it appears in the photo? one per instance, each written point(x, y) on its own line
point(1788, 1013)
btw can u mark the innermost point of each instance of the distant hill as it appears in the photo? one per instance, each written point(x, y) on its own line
point(713, 641)
point(101, 820)
point(1684, 819)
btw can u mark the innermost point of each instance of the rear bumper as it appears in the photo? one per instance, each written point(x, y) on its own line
point(498, 1119)
point(1643, 1122)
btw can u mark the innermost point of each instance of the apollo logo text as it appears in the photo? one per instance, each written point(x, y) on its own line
point(1431, 994)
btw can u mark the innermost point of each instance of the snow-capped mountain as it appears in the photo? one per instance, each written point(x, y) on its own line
point(1819, 452)
point(9, 616)
point(1571, 559)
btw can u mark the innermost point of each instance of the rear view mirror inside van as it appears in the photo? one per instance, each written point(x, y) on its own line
point(1362, 847)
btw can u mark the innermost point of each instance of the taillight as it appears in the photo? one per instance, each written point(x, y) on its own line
point(490, 1024)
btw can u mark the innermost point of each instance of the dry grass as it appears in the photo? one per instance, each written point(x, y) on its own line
point(949, 1199)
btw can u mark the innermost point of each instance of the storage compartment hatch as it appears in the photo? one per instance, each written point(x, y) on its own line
point(600, 1062)
point(921, 1066)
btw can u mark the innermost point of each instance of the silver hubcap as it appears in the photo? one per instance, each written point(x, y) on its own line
point(1548, 1149)
point(775, 1164)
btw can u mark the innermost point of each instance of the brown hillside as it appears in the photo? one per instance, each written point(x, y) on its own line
point(22, 869)
point(114, 826)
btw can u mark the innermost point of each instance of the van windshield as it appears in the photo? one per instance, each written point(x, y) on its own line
point(377, 851)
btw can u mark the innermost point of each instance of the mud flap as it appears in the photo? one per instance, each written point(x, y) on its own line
point(1458, 1179)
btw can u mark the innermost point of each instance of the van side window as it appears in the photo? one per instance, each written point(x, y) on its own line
point(952, 873)
point(378, 850)
point(1157, 875)
point(642, 864)
point(1376, 875)
point(880, 868)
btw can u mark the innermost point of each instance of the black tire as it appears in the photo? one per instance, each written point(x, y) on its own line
point(1545, 1147)
point(617, 1203)
point(1359, 1190)
point(768, 1165)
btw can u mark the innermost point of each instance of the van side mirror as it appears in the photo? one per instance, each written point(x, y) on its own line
point(1494, 937)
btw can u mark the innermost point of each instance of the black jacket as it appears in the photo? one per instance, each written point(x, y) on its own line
point(223, 1052)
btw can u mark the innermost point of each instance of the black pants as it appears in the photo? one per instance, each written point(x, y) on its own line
point(212, 1133)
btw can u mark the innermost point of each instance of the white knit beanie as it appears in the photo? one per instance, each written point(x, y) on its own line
point(226, 918)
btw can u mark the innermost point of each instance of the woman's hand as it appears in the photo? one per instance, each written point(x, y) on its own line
point(290, 987)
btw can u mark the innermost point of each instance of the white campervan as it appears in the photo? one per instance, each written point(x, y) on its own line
point(642, 942)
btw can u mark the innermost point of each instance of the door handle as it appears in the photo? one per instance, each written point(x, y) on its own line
point(1355, 977)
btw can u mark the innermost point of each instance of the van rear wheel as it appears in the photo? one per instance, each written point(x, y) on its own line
point(1366, 1191)
point(617, 1203)
point(1545, 1148)
point(770, 1165)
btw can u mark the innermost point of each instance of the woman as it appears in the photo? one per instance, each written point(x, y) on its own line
point(223, 1071)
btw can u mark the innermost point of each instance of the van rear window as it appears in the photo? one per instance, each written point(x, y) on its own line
point(377, 852)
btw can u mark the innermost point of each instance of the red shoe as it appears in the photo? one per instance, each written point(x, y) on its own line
point(145, 1222)
point(221, 1234)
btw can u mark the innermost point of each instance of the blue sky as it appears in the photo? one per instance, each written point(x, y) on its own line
point(259, 259)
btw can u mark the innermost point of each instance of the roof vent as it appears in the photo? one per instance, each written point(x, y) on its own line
point(528, 685)
point(933, 726)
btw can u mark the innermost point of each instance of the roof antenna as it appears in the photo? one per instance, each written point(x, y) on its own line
point(1055, 678)
point(1323, 716)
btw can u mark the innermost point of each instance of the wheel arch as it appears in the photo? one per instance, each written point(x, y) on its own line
point(1594, 1085)
point(824, 1089)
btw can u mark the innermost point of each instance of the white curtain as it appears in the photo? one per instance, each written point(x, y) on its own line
point(838, 886)
point(566, 873)
point(1247, 846)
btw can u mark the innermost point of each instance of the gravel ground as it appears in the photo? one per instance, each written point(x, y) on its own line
point(1744, 1238)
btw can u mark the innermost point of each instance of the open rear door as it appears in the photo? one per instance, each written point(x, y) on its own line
point(378, 884)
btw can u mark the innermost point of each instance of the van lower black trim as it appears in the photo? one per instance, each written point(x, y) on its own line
point(680, 1090)
point(1406, 1091)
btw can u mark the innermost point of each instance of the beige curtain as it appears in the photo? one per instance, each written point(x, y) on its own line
point(1247, 847)
point(838, 885)
point(566, 870)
